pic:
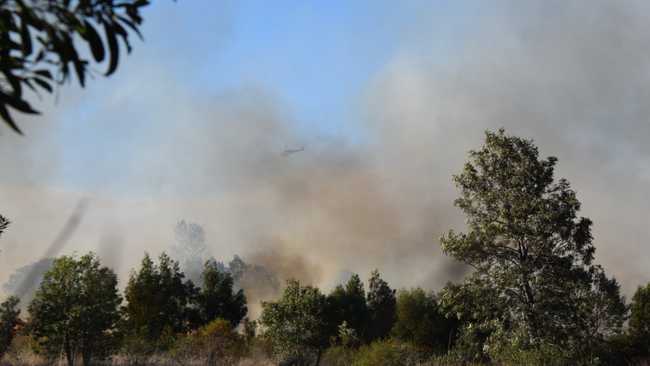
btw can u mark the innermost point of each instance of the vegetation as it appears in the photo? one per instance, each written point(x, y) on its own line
point(422, 322)
point(218, 299)
point(75, 310)
point(40, 44)
point(9, 313)
point(531, 254)
point(381, 308)
point(158, 302)
point(534, 297)
point(296, 326)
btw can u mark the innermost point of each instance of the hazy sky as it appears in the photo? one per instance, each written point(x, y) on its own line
point(386, 97)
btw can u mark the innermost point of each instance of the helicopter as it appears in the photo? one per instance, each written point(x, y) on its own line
point(288, 152)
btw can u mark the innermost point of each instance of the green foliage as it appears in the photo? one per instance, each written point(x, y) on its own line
point(347, 336)
point(218, 299)
point(388, 353)
point(9, 313)
point(295, 325)
point(250, 330)
point(75, 309)
point(529, 250)
point(158, 300)
point(421, 321)
point(348, 304)
point(639, 326)
point(341, 355)
point(39, 44)
point(381, 308)
point(216, 343)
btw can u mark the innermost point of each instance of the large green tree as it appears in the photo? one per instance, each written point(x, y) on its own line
point(381, 308)
point(76, 309)
point(529, 248)
point(218, 299)
point(158, 299)
point(296, 324)
point(40, 44)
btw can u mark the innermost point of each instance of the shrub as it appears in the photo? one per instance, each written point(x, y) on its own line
point(389, 353)
point(339, 356)
point(214, 344)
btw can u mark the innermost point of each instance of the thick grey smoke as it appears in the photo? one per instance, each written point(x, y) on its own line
point(572, 75)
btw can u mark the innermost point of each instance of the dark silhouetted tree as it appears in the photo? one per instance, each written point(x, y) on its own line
point(381, 308)
point(9, 313)
point(639, 325)
point(218, 299)
point(40, 44)
point(158, 299)
point(4, 223)
point(76, 309)
point(420, 321)
point(348, 304)
point(529, 247)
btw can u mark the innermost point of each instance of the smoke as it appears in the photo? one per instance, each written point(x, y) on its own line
point(572, 75)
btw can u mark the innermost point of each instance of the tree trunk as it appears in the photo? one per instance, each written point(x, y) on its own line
point(87, 357)
point(318, 355)
point(69, 353)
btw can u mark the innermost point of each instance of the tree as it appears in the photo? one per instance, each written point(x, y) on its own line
point(639, 326)
point(527, 245)
point(381, 307)
point(39, 44)
point(158, 299)
point(190, 249)
point(218, 299)
point(295, 325)
point(76, 309)
point(348, 304)
point(420, 321)
point(9, 313)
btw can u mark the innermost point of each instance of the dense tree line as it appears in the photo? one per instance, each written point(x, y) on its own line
point(534, 296)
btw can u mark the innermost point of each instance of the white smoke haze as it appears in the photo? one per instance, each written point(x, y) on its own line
point(574, 76)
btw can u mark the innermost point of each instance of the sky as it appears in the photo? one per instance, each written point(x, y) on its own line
point(386, 98)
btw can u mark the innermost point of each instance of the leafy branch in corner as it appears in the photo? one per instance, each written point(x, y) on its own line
point(39, 42)
point(4, 223)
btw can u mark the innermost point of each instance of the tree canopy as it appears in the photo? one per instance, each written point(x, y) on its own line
point(218, 299)
point(76, 309)
point(529, 248)
point(381, 307)
point(295, 325)
point(158, 299)
point(9, 313)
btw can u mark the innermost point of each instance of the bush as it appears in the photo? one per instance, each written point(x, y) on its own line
point(339, 356)
point(214, 344)
point(389, 353)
